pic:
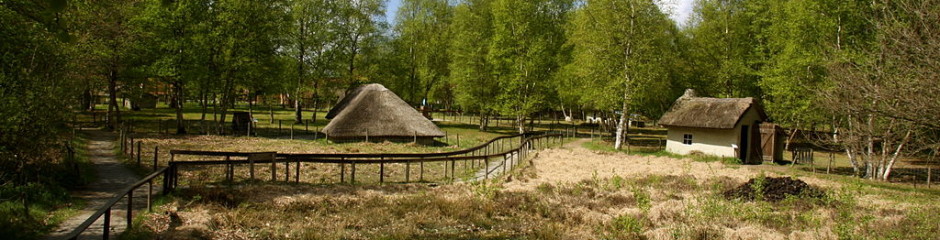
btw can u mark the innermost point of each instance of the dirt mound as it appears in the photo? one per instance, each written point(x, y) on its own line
point(773, 189)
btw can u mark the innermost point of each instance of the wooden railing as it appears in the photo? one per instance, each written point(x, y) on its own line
point(483, 154)
point(127, 192)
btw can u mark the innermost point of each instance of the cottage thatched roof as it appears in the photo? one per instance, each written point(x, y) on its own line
point(375, 111)
point(702, 112)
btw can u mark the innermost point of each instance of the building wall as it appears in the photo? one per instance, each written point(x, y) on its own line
point(717, 142)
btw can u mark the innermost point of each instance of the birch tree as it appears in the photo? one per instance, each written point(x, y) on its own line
point(618, 47)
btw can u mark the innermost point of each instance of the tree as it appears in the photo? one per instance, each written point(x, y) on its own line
point(423, 33)
point(358, 30)
point(314, 45)
point(728, 45)
point(527, 38)
point(885, 99)
point(619, 49)
point(475, 85)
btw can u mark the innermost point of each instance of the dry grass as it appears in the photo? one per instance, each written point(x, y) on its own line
point(599, 196)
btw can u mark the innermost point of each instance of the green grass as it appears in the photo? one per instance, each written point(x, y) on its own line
point(48, 202)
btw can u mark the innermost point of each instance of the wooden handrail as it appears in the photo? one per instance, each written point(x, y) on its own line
point(347, 155)
point(116, 198)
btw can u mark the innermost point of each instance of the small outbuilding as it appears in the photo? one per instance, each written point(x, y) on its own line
point(374, 112)
point(725, 127)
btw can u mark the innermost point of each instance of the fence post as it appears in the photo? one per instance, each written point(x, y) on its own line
point(297, 170)
point(342, 172)
point(408, 171)
point(130, 209)
point(458, 140)
point(421, 172)
point(453, 173)
point(274, 167)
point(352, 174)
point(382, 170)
point(251, 168)
point(150, 195)
point(292, 130)
point(106, 226)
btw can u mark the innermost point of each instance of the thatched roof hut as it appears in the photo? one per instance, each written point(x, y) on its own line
point(702, 112)
point(726, 127)
point(374, 111)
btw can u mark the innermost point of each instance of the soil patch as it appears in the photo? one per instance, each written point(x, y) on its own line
point(773, 189)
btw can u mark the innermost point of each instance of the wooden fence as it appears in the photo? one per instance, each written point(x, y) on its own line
point(471, 158)
point(126, 193)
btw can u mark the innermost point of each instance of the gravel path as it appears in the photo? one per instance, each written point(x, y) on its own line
point(112, 177)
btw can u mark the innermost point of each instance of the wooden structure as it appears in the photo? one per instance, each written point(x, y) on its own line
point(771, 142)
point(724, 127)
point(372, 112)
point(241, 121)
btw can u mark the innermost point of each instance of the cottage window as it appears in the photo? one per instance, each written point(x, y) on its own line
point(687, 139)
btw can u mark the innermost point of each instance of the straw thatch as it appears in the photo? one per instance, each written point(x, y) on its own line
point(701, 112)
point(375, 111)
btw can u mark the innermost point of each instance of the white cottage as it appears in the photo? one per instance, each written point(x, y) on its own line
point(726, 127)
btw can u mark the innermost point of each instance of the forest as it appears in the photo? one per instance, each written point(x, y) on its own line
point(866, 73)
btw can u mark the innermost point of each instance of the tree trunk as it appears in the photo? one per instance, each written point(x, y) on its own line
point(180, 123)
point(114, 110)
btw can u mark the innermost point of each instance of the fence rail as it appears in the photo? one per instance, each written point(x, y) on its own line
point(127, 192)
point(484, 153)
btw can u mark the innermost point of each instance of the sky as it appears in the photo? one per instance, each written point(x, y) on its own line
point(679, 10)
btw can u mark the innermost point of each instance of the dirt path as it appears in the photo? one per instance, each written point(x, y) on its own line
point(112, 177)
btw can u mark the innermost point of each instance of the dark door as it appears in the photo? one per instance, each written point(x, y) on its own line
point(743, 152)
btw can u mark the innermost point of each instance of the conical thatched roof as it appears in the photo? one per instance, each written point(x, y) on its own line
point(701, 112)
point(375, 111)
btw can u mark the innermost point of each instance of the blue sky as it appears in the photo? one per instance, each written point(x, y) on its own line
point(679, 9)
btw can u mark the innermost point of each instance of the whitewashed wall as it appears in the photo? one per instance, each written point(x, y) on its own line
point(717, 142)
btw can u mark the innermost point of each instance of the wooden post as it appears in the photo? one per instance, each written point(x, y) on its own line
point(279, 130)
point(416, 137)
point(458, 140)
point(828, 168)
point(342, 172)
point(150, 195)
point(251, 168)
point(228, 169)
point(130, 209)
point(292, 131)
point(453, 174)
point(274, 168)
point(297, 169)
point(421, 172)
point(352, 174)
point(382, 170)
point(286, 171)
point(106, 226)
point(408, 171)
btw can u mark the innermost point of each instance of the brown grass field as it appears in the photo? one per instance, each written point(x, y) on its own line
point(571, 192)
